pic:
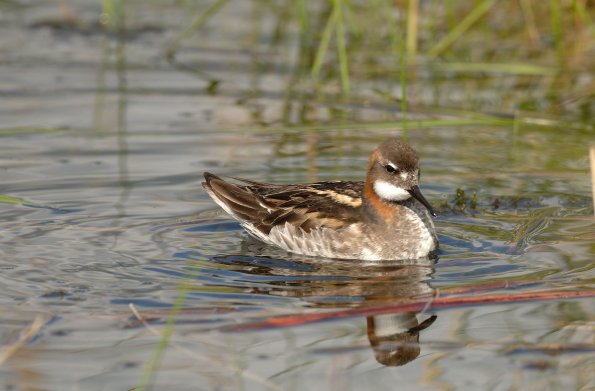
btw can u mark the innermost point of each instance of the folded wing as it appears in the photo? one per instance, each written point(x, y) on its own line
point(262, 206)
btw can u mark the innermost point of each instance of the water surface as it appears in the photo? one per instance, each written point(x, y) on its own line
point(102, 147)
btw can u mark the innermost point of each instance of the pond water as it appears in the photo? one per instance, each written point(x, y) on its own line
point(103, 143)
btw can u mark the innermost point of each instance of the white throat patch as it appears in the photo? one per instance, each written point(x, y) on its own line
point(390, 192)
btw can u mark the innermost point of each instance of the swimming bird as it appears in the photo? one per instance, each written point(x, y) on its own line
point(384, 218)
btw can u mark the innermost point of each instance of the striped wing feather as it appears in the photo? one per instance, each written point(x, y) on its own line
point(311, 206)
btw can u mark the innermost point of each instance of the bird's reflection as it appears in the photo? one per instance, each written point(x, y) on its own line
point(394, 337)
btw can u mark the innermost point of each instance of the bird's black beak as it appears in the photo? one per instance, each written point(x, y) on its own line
point(416, 193)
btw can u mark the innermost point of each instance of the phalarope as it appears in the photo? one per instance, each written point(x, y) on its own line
point(384, 218)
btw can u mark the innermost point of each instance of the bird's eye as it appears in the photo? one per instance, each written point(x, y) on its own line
point(390, 168)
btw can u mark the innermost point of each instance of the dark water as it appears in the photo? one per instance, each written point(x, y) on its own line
point(102, 147)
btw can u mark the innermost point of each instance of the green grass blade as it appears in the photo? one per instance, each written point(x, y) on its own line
point(4, 199)
point(412, 29)
point(195, 26)
point(113, 13)
point(340, 30)
point(403, 77)
point(107, 11)
point(459, 29)
point(581, 12)
point(302, 14)
point(151, 368)
point(529, 16)
point(398, 47)
point(418, 124)
point(323, 47)
point(511, 68)
point(556, 22)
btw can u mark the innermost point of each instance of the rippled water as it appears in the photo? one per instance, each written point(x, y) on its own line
point(107, 210)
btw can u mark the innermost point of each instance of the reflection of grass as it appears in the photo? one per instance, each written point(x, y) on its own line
point(151, 368)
